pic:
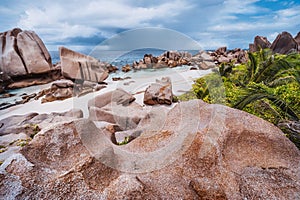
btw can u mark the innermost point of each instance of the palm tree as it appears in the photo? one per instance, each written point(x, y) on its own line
point(256, 92)
point(263, 67)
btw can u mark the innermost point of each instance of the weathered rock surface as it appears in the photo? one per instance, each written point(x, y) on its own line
point(18, 130)
point(201, 151)
point(159, 92)
point(77, 66)
point(29, 82)
point(4, 81)
point(116, 107)
point(23, 53)
point(284, 44)
point(18, 123)
point(64, 89)
point(260, 42)
point(59, 90)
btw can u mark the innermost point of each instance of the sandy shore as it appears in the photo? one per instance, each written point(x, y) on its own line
point(182, 79)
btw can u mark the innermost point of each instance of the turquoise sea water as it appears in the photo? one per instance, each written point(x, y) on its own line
point(119, 58)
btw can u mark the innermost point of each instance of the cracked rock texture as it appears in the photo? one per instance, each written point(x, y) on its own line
point(201, 151)
point(23, 53)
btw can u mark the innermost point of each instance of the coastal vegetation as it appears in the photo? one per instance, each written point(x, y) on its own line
point(268, 86)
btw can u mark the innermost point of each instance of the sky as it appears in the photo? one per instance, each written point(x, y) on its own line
point(78, 24)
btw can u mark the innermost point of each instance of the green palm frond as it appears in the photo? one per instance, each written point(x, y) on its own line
point(284, 77)
point(272, 70)
point(252, 66)
point(284, 107)
point(252, 97)
point(247, 99)
point(282, 81)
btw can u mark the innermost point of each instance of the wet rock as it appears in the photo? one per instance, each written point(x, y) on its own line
point(159, 92)
point(111, 68)
point(29, 82)
point(6, 105)
point(7, 95)
point(60, 90)
point(126, 68)
point(4, 81)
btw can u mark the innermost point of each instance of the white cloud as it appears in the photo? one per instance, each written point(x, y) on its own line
point(213, 23)
point(285, 18)
point(76, 18)
point(241, 7)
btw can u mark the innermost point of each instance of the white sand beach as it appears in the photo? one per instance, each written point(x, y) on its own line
point(182, 79)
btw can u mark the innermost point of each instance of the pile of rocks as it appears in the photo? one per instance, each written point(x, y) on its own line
point(172, 59)
point(235, 56)
point(202, 60)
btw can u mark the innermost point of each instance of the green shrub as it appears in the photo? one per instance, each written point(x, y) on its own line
point(268, 87)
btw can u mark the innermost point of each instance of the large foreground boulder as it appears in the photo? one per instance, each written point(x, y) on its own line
point(284, 44)
point(201, 151)
point(78, 66)
point(23, 53)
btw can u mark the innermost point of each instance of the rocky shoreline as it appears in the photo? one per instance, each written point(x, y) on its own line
point(88, 74)
point(123, 137)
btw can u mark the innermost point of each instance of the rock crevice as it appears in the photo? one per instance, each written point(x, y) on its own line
point(23, 54)
point(16, 48)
